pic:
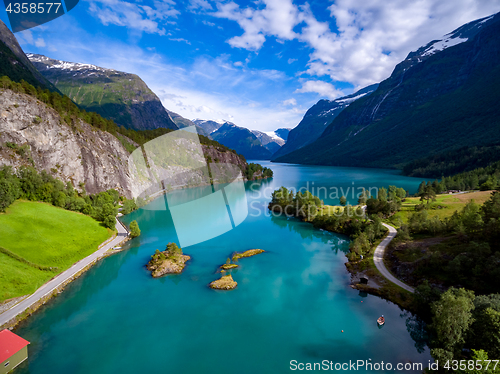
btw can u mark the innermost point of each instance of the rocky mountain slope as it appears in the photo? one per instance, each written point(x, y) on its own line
point(15, 64)
point(115, 95)
point(270, 140)
point(209, 126)
point(184, 122)
point(283, 133)
point(33, 134)
point(441, 97)
point(49, 132)
point(317, 119)
point(241, 140)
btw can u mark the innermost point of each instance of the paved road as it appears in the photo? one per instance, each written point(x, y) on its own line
point(50, 286)
point(378, 258)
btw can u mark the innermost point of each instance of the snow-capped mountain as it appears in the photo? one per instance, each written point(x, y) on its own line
point(116, 95)
point(209, 126)
point(461, 35)
point(442, 97)
point(241, 140)
point(269, 140)
point(283, 133)
point(75, 67)
point(316, 119)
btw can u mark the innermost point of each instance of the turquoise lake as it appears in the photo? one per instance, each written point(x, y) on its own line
point(291, 303)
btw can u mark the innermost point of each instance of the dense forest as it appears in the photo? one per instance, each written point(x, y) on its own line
point(483, 178)
point(28, 184)
point(453, 162)
point(261, 171)
point(466, 263)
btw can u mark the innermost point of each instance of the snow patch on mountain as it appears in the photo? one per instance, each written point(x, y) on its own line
point(349, 100)
point(274, 136)
point(442, 44)
point(65, 65)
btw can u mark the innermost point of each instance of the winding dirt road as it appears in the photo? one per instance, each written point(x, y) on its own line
point(378, 259)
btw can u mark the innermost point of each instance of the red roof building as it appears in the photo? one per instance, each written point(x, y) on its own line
point(13, 350)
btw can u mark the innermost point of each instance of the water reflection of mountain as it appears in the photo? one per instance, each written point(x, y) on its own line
point(308, 231)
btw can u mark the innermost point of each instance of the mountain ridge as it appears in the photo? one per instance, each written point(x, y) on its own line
point(316, 119)
point(116, 95)
point(431, 103)
point(241, 140)
point(15, 64)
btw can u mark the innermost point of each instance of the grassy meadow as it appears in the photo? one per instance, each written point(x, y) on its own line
point(39, 241)
point(444, 206)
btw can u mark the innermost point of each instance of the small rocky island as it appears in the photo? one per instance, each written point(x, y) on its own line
point(249, 253)
point(170, 261)
point(228, 266)
point(226, 282)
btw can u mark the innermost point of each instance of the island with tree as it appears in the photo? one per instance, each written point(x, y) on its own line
point(170, 261)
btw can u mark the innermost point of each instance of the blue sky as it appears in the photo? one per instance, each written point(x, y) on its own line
point(260, 64)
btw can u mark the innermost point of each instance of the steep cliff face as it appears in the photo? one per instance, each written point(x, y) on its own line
point(116, 95)
point(33, 134)
point(82, 154)
point(224, 157)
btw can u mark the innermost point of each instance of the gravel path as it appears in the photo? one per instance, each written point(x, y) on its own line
point(378, 259)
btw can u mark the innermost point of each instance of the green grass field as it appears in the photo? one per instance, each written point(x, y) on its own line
point(444, 206)
point(39, 236)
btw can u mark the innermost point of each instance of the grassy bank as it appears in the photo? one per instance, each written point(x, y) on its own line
point(39, 241)
point(444, 206)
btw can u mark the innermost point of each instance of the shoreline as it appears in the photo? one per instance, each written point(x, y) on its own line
point(25, 307)
point(154, 196)
point(381, 286)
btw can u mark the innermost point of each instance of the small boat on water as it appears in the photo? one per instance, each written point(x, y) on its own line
point(381, 320)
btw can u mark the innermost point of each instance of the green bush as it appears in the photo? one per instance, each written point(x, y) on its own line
point(134, 229)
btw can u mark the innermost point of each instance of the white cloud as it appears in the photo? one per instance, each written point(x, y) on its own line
point(209, 87)
point(199, 4)
point(291, 101)
point(134, 16)
point(291, 60)
point(180, 40)
point(208, 23)
point(26, 37)
point(323, 88)
point(370, 37)
point(40, 42)
point(277, 18)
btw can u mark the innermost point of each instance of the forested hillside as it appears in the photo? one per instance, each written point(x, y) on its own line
point(435, 101)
